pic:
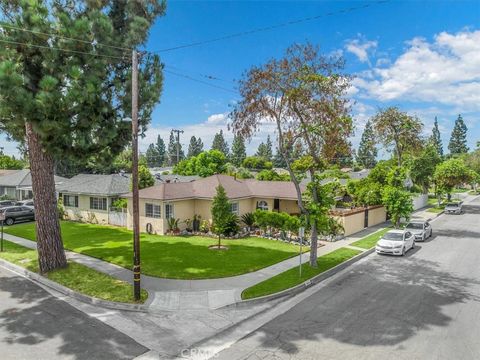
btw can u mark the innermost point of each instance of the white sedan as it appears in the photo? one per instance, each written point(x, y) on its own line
point(395, 242)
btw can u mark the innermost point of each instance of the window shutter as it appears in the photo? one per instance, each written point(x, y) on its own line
point(76, 201)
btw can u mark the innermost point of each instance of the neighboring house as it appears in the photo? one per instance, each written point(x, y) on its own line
point(173, 178)
point(184, 200)
point(17, 184)
point(89, 197)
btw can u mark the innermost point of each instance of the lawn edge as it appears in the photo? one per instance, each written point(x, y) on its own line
point(37, 278)
point(303, 286)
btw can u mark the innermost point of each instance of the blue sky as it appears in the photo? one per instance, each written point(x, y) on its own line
point(423, 56)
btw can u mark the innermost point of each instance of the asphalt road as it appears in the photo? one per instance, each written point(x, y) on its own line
point(36, 325)
point(422, 306)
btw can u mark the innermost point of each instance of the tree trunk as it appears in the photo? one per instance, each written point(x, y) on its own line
point(219, 241)
point(314, 245)
point(51, 254)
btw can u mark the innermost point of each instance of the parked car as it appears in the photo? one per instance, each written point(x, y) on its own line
point(453, 208)
point(395, 242)
point(15, 214)
point(420, 229)
point(25, 203)
point(5, 203)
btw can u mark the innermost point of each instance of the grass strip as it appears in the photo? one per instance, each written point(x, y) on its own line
point(76, 276)
point(291, 278)
point(371, 240)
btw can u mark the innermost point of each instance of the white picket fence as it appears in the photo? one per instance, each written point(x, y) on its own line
point(117, 217)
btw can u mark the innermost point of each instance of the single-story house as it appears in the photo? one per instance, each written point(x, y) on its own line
point(17, 184)
point(184, 200)
point(90, 197)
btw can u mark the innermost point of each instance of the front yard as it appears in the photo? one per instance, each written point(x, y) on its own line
point(176, 257)
point(76, 276)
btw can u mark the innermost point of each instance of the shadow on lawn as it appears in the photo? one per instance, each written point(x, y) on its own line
point(32, 316)
point(380, 303)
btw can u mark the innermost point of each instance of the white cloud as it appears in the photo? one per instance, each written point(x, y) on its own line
point(445, 71)
point(360, 48)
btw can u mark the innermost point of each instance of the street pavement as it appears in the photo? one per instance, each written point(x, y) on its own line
point(422, 306)
point(37, 325)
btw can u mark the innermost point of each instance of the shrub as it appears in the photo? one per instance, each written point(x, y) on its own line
point(248, 219)
point(256, 163)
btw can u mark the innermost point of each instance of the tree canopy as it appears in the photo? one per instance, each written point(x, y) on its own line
point(367, 150)
point(204, 164)
point(458, 140)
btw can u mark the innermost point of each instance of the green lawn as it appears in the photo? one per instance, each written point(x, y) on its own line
point(76, 277)
point(370, 240)
point(291, 277)
point(177, 257)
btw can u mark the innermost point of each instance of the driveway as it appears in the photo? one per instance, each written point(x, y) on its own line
point(423, 306)
point(36, 325)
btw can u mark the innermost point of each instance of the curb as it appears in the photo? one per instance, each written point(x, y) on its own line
point(301, 287)
point(69, 292)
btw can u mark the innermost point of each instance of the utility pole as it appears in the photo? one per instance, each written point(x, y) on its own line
point(136, 215)
point(178, 143)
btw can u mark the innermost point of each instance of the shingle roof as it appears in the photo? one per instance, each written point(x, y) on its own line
point(206, 189)
point(22, 178)
point(92, 184)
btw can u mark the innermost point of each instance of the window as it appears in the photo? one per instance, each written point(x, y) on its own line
point(234, 208)
point(262, 205)
point(152, 211)
point(98, 203)
point(169, 211)
point(70, 200)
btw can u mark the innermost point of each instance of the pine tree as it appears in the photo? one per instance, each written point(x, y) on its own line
point(220, 144)
point(268, 149)
point(173, 159)
point(279, 161)
point(62, 100)
point(221, 213)
point(160, 147)
point(195, 147)
point(367, 151)
point(458, 140)
point(152, 156)
point(239, 152)
point(435, 138)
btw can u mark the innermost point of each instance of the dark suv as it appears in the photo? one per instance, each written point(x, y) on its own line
point(14, 214)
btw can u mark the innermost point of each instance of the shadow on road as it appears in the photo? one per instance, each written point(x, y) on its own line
point(39, 317)
point(471, 209)
point(382, 302)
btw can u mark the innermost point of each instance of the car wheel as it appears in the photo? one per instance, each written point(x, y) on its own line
point(403, 251)
point(9, 221)
point(413, 245)
point(431, 233)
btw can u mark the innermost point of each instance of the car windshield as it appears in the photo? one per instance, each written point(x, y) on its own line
point(393, 236)
point(415, 226)
point(452, 204)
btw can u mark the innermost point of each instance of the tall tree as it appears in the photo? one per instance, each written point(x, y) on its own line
point(398, 130)
point(65, 98)
point(451, 173)
point(367, 151)
point(458, 140)
point(152, 156)
point(239, 152)
point(220, 144)
point(304, 95)
point(161, 151)
point(422, 167)
point(265, 149)
point(173, 159)
point(436, 139)
point(195, 147)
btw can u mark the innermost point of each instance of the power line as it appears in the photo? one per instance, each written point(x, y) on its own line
point(269, 28)
point(65, 37)
point(200, 81)
point(60, 49)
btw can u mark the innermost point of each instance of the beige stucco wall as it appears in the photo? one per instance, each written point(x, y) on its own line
point(289, 206)
point(84, 213)
point(352, 223)
point(377, 216)
point(186, 209)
